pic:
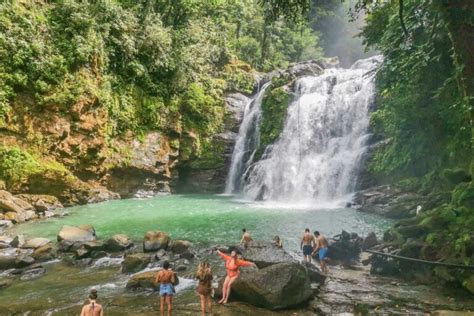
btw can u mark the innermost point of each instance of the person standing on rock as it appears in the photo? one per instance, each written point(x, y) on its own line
point(166, 278)
point(92, 309)
point(307, 244)
point(246, 238)
point(204, 288)
point(321, 247)
point(232, 265)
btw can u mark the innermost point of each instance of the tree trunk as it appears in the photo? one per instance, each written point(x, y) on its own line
point(459, 15)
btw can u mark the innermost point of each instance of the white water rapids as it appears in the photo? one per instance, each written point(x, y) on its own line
point(316, 158)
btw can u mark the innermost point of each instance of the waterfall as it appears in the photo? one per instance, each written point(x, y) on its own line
point(324, 137)
point(246, 143)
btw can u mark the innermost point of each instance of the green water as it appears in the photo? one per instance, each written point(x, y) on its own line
point(205, 219)
point(202, 219)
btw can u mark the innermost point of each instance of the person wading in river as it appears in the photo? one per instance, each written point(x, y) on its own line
point(92, 309)
point(232, 265)
point(307, 244)
point(204, 288)
point(166, 278)
point(321, 247)
point(246, 238)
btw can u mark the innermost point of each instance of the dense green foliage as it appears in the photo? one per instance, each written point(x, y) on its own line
point(420, 107)
point(149, 65)
point(423, 111)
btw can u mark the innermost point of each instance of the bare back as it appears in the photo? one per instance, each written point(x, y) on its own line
point(92, 309)
point(246, 237)
point(308, 239)
point(322, 242)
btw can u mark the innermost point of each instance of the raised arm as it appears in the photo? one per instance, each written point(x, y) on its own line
point(244, 263)
point(223, 255)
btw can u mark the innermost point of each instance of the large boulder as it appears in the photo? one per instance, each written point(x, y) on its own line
point(45, 253)
point(77, 233)
point(344, 248)
point(278, 286)
point(180, 246)
point(155, 241)
point(36, 243)
point(369, 241)
point(41, 202)
point(143, 280)
point(10, 203)
point(265, 254)
point(135, 262)
point(118, 242)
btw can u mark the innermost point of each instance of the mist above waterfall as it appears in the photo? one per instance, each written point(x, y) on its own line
point(323, 140)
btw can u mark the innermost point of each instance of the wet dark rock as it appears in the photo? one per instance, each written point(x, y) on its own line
point(180, 246)
point(45, 253)
point(278, 286)
point(83, 262)
point(143, 280)
point(81, 233)
point(187, 255)
point(155, 241)
point(135, 262)
point(24, 261)
point(315, 275)
point(181, 267)
point(118, 242)
point(32, 274)
point(65, 246)
point(369, 241)
point(7, 261)
point(344, 248)
point(18, 241)
point(98, 254)
point(265, 254)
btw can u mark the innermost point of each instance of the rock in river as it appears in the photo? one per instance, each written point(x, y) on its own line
point(143, 280)
point(77, 233)
point(36, 243)
point(135, 262)
point(278, 286)
point(180, 246)
point(118, 242)
point(155, 241)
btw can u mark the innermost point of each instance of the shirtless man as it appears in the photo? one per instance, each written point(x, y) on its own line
point(246, 238)
point(307, 244)
point(321, 246)
point(92, 309)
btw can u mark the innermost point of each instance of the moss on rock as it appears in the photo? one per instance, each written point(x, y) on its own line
point(274, 109)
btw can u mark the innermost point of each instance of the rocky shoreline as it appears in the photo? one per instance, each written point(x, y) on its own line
point(279, 283)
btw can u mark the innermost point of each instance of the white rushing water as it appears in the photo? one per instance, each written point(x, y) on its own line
point(246, 143)
point(316, 158)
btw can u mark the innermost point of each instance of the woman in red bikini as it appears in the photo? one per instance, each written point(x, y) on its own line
point(232, 265)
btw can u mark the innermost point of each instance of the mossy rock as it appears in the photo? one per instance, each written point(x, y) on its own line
point(409, 184)
point(274, 110)
point(455, 176)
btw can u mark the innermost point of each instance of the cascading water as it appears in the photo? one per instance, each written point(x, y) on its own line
point(246, 143)
point(323, 140)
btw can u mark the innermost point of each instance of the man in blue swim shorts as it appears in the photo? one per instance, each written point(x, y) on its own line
point(321, 247)
point(166, 278)
point(307, 244)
